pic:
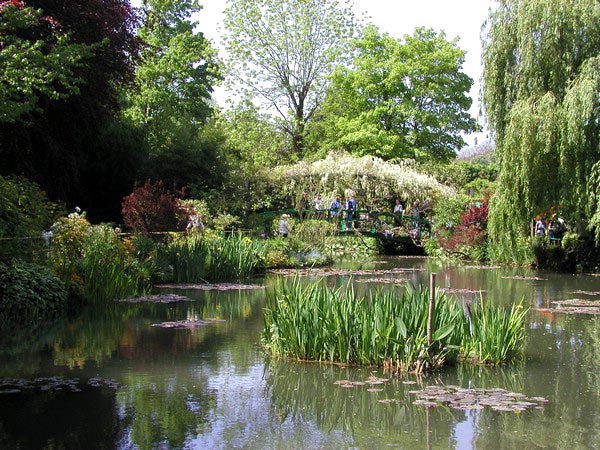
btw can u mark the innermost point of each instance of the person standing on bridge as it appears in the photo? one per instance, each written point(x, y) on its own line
point(398, 212)
point(350, 207)
point(334, 207)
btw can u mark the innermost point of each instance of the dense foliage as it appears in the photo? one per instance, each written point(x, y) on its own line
point(29, 291)
point(94, 263)
point(25, 213)
point(73, 144)
point(36, 58)
point(314, 322)
point(151, 207)
point(541, 83)
point(400, 98)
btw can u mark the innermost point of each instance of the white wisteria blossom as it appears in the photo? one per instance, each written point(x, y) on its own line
point(374, 181)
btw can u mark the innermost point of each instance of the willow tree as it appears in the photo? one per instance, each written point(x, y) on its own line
point(282, 51)
point(541, 85)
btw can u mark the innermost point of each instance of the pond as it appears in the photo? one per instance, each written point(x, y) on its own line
point(109, 379)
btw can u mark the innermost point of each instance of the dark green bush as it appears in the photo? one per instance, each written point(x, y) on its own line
point(29, 291)
point(25, 212)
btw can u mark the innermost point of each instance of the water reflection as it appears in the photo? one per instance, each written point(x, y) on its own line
point(212, 387)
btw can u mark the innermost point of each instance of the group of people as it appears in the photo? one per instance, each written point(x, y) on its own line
point(553, 228)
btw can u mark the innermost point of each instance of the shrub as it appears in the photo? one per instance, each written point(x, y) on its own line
point(469, 237)
point(25, 212)
point(108, 269)
point(94, 263)
point(151, 207)
point(29, 291)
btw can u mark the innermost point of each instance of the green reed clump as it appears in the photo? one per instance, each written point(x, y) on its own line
point(385, 328)
point(496, 334)
point(316, 323)
point(108, 270)
point(189, 258)
point(197, 257)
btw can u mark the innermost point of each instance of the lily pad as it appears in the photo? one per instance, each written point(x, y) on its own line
point(324, 272)
point(188, 323)
point(211, 287)
point(591, 293)
point(166, 298)
point(522, 277)
point(461, 291)
point(469, 399)
point(381, 280)
point(572, 310)
point(577, 302)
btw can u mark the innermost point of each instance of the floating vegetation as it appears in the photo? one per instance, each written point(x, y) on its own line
point(381, 280)
point(211, 287)
point(166, 298)
point(328, 272)
point(18, 385)
point(574, 306)
point(467, 399)
point(371, 262)
point(371, 381)
point(481, 267)
point(461, 291)
point(523, 277)
point(188, 324)
point(577, 302)
point(590, 293)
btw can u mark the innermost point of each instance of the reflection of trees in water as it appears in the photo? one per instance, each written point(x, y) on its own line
point(21, 346)
point(166, 410)
point(307, 392)
point(97, 334)
point(563, 367)
point(60, 419)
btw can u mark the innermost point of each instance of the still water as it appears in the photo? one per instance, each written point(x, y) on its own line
point(109, 379)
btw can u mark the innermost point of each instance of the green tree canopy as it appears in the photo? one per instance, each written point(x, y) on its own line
point(283, 51)
point(176, 74)
point(400, 98)
point(172, 100)
point(541, 85)
point(36, 58)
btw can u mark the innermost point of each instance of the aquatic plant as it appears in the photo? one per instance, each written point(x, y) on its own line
point(386, 328)
point(317, 323)
point(108, 269)
point(495, 334)
point(197, 257)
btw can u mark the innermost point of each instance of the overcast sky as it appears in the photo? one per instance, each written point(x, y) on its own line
point(458, 18)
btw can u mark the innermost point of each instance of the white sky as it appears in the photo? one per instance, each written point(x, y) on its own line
point(458, 18)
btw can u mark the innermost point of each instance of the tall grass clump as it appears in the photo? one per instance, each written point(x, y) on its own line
point(495, 334)
point(385, 328)
point(198, 257)
point(108, 269)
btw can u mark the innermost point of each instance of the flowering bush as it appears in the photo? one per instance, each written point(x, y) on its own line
point(151, 207)
point(469, 237)
point(373, 180)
